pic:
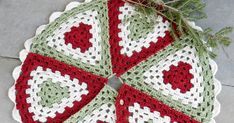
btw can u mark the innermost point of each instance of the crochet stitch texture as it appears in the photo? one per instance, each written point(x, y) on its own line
point(66, 66)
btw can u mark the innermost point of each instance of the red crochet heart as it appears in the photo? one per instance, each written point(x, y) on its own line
point(79, 37)
point(179, 77)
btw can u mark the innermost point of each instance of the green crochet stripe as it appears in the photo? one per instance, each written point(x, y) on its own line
point(103, 68)
point(203, 113)
point(106, 95)
point(52, 93)
point(140, 26)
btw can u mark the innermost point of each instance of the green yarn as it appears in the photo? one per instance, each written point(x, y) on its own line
point(140, 25)
point(38, 96)
point(203, 113)
point(106, 96)
point(52, 93)
point(103, 68)
point(139, 29)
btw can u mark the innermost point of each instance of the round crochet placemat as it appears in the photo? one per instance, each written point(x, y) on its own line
point(66, 66)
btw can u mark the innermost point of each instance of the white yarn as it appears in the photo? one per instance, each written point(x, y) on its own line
point(144, 115)
point(192, 97)
point(101, 114)
point(93, 54)
point(39, 76)
point(129, 46)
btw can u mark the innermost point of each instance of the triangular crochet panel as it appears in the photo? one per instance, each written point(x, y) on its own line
point(66, 66)
point(134, 106)
point(180, 78)
point(33, 102)
point(78, 37)
point(101, 109)
point(129, 44)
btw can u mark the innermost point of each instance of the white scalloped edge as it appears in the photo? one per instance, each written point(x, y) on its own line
point(217, 83)
point(23, 54)
point(193, 25)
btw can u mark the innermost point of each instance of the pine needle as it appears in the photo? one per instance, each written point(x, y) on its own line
point(180, 12)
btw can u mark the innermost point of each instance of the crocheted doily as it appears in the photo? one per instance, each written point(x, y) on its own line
point(66, 66)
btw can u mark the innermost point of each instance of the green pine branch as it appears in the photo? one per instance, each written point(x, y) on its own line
point(179, 12)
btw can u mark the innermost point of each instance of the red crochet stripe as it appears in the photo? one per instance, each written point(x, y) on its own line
point(95, 84)
point(179, 77)
point(122, 63)
point(79, 37)
point(130, 95)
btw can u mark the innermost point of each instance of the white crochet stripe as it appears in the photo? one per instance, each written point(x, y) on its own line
point(93, 54)
point(101, 114)
point(23, 54)
point(16, 72)
point(129, 46)
point(144, 115)
point(39, 76)
point(193, 96)
point(217, 83)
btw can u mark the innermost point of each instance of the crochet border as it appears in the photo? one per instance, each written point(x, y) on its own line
point(23, 54)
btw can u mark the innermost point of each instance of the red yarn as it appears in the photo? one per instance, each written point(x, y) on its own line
point(130, 95)
point(95, 84)
point(122, 63)
point(179, 77)
point(79, 37)
point(99, 121)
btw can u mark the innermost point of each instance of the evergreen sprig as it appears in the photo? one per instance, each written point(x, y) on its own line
point(218, 39)
point(179, 13)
